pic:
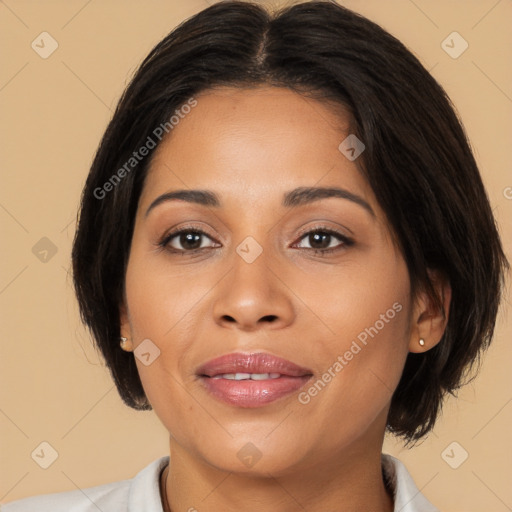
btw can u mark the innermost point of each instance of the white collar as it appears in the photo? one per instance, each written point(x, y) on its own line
point(406, 495)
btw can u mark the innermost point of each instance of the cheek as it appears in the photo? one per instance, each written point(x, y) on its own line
point(182, 417)
point(162, 297)
point(163, 307)
point(380, 311)
point(369, 314)
point(353, 391)
point(365, 298)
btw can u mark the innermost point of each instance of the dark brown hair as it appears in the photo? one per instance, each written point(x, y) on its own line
point(417, 160)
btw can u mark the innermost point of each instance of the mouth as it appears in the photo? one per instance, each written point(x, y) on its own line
point(252, 380)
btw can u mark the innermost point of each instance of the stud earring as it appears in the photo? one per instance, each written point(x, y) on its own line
point(126, 345)
point(421, 342)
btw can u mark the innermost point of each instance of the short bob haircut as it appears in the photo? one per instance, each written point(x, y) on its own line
point(417, 160)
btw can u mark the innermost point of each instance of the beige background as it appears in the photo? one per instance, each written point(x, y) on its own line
point(54, 387)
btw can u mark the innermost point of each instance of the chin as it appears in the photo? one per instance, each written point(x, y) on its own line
point(253, 458)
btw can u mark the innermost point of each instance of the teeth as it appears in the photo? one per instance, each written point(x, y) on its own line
point(247, 376)
point(237, 376)
point(260, 376)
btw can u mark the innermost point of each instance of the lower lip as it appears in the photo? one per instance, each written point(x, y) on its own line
point(253, 393)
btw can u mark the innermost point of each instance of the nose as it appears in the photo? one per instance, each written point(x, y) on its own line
point(252, 296)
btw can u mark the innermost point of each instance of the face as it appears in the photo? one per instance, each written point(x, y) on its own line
point(261, 266)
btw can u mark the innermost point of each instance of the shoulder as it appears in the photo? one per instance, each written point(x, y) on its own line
point(85, 500)
point(407, 497)
point(140, 493)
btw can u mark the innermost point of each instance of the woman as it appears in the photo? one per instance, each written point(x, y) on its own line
point(284, 249)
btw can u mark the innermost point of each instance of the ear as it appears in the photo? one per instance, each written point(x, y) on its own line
point(124, 322)
point(430, 320)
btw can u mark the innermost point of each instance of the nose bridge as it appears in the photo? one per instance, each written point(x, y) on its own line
point(252, 294)
point(251, 266)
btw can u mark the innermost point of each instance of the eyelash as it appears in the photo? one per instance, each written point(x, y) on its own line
point(345, 241)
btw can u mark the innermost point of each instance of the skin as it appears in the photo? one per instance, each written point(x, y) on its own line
point(250, 146)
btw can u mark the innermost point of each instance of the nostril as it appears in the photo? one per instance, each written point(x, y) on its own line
point(269, 318)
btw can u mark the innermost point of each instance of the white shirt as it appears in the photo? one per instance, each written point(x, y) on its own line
point(142, 493)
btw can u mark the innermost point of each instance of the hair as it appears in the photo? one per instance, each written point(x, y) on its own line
point(417, 160)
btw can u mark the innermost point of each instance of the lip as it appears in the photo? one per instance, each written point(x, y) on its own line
point(252, 393)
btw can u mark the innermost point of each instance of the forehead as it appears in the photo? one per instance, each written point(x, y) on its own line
point(255, 142)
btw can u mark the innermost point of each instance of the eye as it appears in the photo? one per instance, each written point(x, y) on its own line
point(191, 240)
point(187, 240)
point(324, 240)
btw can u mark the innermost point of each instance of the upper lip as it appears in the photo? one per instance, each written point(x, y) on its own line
point(260, 362)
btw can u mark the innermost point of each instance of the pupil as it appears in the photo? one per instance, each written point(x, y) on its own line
point(318, 240)
point(190, 240)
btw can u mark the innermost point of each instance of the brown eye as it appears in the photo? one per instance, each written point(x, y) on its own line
point(324, 240)
point(319, 240)
point(187, 240)
point(190, 240)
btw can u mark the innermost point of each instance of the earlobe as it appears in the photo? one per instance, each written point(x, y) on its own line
point(126, 344)
point(429, 316)
point(125, 341)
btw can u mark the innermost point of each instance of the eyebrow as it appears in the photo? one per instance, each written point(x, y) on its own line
point(296, 197)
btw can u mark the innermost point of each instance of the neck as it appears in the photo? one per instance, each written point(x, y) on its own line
point(353, 480)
